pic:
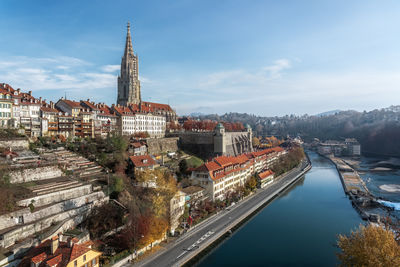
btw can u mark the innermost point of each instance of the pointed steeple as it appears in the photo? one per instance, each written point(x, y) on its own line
point(128, 44)
point(128, 80)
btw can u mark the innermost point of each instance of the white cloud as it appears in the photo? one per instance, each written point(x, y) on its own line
point(275, 70)
point(110, 68)
point(55, 73)
point(274, 90)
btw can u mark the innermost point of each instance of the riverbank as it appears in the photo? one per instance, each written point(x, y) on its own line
point(305, 218)
point(366, 204)
point(229, 229)
point(190, 245)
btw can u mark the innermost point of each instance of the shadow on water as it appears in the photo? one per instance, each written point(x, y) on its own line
point(298, 183)
point(298, 228)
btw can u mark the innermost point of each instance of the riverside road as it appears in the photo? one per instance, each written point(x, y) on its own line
point(178, 252)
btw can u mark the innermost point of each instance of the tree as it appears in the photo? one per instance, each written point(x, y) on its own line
point(256, 141)
point(183, 166)
point(251, 184)
point(369, 246)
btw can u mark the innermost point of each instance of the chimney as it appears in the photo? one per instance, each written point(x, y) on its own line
point(88, 100)
point(30, 93)
point(18, 90)
point(51, 104)
point(54, 244)
point(40, 99)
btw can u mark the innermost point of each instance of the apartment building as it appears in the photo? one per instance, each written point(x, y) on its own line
point(6, 111)
point(130, 122)
point(225, 173)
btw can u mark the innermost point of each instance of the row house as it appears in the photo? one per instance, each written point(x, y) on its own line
point(49, 114)
point(131, 122)
point(156, 109)
point(226, 173)
point(104, 119)
point(6, 104)
point(83, 117)
point(29, 114)
point(24, 110)
point(107, 119)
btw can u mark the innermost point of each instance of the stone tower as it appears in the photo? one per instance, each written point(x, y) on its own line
point(128, 80)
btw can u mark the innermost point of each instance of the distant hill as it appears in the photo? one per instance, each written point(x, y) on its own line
point(328, 113)
point(378, 131)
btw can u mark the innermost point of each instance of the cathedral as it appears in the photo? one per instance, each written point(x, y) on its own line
point(129, 94)
point(128, 80)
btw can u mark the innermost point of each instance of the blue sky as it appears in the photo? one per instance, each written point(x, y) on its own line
point(260, 57)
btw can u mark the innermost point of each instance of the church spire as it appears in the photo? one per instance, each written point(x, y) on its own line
point(128, 80)
point(128, 44)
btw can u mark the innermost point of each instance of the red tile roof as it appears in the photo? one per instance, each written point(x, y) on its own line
point(150, 107)
point(105, 110)
point(49, 109)
point(124, 110)
point(39, 258)
point(72, 103)
point(54, 261)
point(217, 167)
point(224, 160)
point(61, 257)
point(78, 250)
point(142, 161)
point(90, 105)
point(265, 174)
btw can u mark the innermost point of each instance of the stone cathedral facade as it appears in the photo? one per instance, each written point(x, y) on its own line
point(129, 94)
point(128, 80)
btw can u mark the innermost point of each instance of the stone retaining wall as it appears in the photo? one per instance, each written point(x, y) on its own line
point(11, 219)
point(162, 145)
point(56, 196)
point(10, 237)
point(35, 174)
point(16, 143)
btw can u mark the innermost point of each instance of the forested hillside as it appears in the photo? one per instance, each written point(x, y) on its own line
point(378, 131)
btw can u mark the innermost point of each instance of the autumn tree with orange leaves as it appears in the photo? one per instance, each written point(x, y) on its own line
point(369, 246)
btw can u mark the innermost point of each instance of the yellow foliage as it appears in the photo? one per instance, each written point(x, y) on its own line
point(369, 246)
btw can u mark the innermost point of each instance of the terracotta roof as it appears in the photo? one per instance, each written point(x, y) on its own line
point(90, 105)
point(49, 109)
point(54, 261)
point(142, 161)
point(4, 92)
point(265, 174)
point(78, 250)
point(61, 257)
point(105, 110)
point(39, 258)
point(72, 103)
point(217, 167)
point(223, 160)
point(150, 107)
point(136, 144)
point(124, 110)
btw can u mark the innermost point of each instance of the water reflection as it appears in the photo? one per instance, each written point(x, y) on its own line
point(297, 229)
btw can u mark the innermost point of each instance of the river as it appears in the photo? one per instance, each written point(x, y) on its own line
point(297, 229)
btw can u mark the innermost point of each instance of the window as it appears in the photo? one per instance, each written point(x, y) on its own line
point(75, 263)
point(94, 262)
point(84, 257)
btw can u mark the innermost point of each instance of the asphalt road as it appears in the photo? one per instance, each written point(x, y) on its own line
point(176, 252)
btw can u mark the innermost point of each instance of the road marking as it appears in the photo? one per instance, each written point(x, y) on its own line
point(195, 244)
